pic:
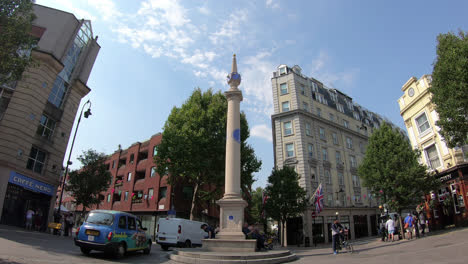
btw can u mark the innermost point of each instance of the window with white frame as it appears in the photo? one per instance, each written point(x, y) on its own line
point(285, 106)
point(313, 175)
point(153, 172)
point(108, 198)
point(282, 70)
point(287, 128)
point(356, 115)
point(335, 138)
point(361, 147)
point(433, 157)
point(305, 106)
point(314, 87)
point(319, 112)
point(46, 127)
point(129, 176)
point(349, 142)
point(310, 150)
point(308, 129)
point(332, 117)
point(340, 178)
point(324, 154)
point(328, 177)
point(36, 160)
point(332, 96)
point(320, 98)
point(345, 123)
point(284, 88)
point(350, 104)
point(352, 159)
point(340, 108)
point(330, 199)
point(322, 133)
point(356, 181)
point(338, 157)
point(422, 123)
point(289, 150)
point(303, 91)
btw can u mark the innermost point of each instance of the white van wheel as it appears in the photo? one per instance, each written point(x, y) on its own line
point(188, 244)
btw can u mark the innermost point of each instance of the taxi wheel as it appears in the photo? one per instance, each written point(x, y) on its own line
point(85, 250)
point(148, 249)
point(121, 250)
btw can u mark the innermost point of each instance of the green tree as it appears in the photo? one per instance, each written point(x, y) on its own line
point(390, 169)
point(87, 183)
point(286, 198)
point(450, 87)
point(193, 146)
point(256, 207)
point(16, 18)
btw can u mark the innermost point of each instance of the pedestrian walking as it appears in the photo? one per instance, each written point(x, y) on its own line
point(29, 219)
point(409, 225)
point(69, 224)
point(416, 224)
point(422, 222)
point(390, 226)
point(382, 229)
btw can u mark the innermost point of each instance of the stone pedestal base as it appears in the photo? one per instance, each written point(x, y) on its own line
point(231, 218)
point(229, 245)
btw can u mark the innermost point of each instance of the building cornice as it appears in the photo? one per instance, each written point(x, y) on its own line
point(408, 83)
point(328, 122)
point(414, 101)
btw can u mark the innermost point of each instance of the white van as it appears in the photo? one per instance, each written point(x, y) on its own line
point(177, 232)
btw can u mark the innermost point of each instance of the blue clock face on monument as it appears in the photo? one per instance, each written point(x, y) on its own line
point(236, 135)
point(234, 76)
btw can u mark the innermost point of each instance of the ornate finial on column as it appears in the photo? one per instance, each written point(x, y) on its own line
point(234, 78)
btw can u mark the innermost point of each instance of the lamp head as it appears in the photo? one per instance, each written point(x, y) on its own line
point(87, 113)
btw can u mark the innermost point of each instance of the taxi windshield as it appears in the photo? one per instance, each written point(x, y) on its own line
point(100, 218)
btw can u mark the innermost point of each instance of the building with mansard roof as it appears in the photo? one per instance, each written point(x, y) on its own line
point(322, 133)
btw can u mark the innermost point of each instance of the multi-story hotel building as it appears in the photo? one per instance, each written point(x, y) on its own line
point(450, 165)
point(136, 187)
point(37, 114)
point(323, 134)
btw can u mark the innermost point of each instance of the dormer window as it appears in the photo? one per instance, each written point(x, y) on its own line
point(282, 70)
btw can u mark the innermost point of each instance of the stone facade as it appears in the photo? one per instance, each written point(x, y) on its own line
point(323, 133)
point(38, 112)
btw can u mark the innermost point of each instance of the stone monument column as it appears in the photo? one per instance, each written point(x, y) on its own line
point(232, 205)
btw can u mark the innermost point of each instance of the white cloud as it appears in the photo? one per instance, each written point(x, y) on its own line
point(320, 70)
point(106, 8)
point(204, 10)
point(230, 27)
point(257, 82)
point(261, 131)
point(272, 4)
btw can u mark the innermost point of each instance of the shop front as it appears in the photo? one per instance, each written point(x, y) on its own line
point(447, 205)
point(24, 193)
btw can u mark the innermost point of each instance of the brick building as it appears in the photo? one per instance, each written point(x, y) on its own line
point(136, 187)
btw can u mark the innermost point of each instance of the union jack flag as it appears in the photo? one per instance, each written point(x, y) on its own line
point(318, 200)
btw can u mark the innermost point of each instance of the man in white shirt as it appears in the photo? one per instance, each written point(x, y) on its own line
point(29, 218)
point(390, 225)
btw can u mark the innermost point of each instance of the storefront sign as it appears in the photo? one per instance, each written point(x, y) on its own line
point(31, 184)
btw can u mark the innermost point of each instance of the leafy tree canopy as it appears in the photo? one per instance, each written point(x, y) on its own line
point(391, 170)
point(86, 184)
point(450, 87)
point(16, 18)
point(256, 207)
point(193, 146)
point(286, 198)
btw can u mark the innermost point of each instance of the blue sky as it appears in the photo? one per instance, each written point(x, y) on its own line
point(155, 52)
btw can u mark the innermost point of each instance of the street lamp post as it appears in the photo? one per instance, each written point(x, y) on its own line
point(62, 184)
